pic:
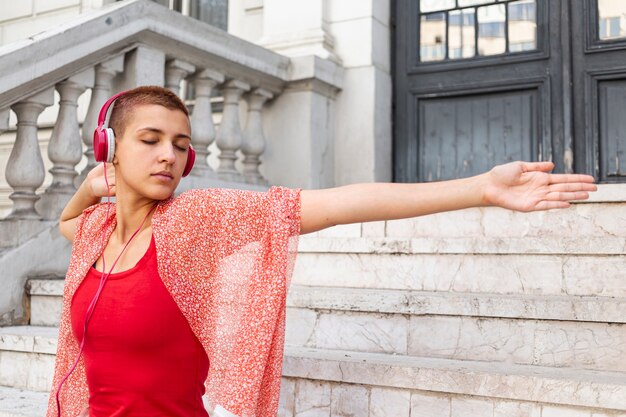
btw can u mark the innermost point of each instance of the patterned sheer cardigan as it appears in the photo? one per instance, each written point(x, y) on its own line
point(226, 257)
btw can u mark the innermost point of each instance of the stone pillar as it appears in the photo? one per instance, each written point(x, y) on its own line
point(175, 71)
point(142, 66)
point(229, 137)
point(25, 169)
point(4, 119)
point(300, 126)
point(100, 93)
point(203, 131)
point(254, 140)
point(65, 147)
point(298, 28)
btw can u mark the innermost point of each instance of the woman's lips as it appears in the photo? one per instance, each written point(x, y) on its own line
point(163, 176)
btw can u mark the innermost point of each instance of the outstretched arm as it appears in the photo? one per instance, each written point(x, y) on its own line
point(521, 186)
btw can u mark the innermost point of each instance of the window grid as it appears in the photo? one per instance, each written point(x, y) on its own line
point(514, 11)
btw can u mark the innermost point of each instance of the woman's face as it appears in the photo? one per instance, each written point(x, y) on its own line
point(151, 156)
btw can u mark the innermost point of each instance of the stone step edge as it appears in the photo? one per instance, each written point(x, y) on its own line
point(594, 389)
point(575, 387)
point(367, 300)
point(411, 302)
point(29, 339)
point(15, 402)
point(595, 245)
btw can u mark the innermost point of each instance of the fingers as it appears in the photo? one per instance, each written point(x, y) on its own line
point(563, 178)
point(548, 205)
point(570, 186)
point(545, 166)
point(567, 196)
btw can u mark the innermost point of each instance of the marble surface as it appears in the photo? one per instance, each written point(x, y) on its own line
point(499, 274)
point(352, 400)
point(567, 308)
point(562, 387)
point(584, 345)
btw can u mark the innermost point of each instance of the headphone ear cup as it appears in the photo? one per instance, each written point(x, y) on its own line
point(100, 146)
point(103, 144)
point(191, 158)
point(110, 141)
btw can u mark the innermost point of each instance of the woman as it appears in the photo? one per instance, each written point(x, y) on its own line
point(195, 289)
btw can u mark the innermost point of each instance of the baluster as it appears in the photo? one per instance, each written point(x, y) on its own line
point(253, 138)
point(175, 71)
point(65, 149)
point(4, 119)
point(25, 169)
point(99, 94)
point(229, 137)
point(202, 128)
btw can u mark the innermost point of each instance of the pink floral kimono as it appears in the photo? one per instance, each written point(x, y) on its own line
point(226, 257)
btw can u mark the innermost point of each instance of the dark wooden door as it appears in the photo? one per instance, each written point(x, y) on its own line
point(483, 82)
point(599, 87)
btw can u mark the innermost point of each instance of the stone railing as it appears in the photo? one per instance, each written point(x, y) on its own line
point(120, 47)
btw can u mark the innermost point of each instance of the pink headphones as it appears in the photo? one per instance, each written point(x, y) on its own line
point(104, 139)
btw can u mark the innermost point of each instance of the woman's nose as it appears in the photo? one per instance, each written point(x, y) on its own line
point(167, 153)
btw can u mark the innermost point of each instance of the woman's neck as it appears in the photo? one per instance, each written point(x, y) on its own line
point(129, 216)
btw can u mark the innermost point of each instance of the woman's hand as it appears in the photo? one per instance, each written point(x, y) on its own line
point(84, 413)
point(96, 183)
point(528, 186)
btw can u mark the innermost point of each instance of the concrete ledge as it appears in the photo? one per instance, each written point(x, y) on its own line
point(44, 59)
point(608, 193)
point(29, 339)
point(595, 389)
point(608, 245)
point(566, 308)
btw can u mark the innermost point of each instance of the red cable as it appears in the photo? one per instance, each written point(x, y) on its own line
point(103, 280)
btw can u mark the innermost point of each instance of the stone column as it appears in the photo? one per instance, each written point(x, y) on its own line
point(100, 93)
point(298, 28)
point(202, 129)
point(175, 71)
point(25, 169)
point(4, 119)
point(142, 66)
point(300, 126)
point(229, 137)
point(253, 138)
point(65, 147)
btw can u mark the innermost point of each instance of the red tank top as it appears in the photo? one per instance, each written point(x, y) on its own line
point(141, 357)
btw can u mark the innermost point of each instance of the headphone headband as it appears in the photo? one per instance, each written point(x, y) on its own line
point(104, 139)
point(105, 108)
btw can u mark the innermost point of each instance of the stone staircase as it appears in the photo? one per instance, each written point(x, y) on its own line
point(480, 312)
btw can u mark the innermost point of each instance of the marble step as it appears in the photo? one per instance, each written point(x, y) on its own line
point(504, 386)
point(46, 302)
point(16, 402)
point(528, 274)
point(586, 332)
point(479, 387)
point(550, 332)
point(591, 220)
point(27, 357)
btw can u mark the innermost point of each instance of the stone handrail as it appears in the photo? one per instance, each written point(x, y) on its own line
point(116, 48)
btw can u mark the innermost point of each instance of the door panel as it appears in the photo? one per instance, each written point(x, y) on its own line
point(463, 134)
point(464, 104)
point(599, 68)
point(557, 92)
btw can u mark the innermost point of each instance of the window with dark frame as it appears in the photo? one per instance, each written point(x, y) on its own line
point(464, 29)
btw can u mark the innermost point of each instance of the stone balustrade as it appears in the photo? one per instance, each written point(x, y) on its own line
point(242, 73)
